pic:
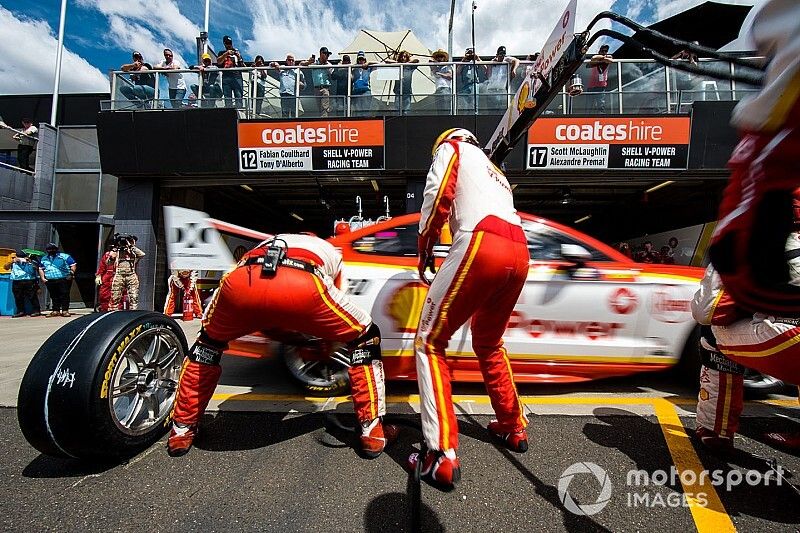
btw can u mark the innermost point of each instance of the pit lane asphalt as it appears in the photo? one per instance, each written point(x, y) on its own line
point(278, 469)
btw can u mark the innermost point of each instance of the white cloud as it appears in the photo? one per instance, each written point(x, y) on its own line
point(161, 16)
point(302, 26)
point(28, 49)
point(142, 40)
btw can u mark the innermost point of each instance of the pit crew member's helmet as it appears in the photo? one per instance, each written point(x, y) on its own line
point(456, 134)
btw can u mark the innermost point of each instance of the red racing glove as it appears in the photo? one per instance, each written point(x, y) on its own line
point(426, 260)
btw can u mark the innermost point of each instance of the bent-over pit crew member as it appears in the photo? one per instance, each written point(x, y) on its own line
point(731, 339)
point(289, 283)
point(481, 279)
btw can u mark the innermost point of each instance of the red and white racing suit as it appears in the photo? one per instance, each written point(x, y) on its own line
point(291, 300)
point(185, 283)
point(755, 214)
point(768, 344)
point(481, 279)
point(105, 271)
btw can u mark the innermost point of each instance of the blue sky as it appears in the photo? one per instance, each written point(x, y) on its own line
point(100, 34)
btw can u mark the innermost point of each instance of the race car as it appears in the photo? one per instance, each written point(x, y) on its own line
point(104, 384)
point(586, 312)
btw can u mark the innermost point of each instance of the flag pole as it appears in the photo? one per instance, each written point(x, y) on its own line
point(57, 82)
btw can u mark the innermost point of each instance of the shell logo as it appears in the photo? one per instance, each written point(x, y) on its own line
point(522, 99)
point(623, 301)
point(404, 306)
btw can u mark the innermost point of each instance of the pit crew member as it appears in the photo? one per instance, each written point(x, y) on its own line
point(289, 283)
point(732, 339)
point(183, 281)
point(754, 218)
point(480, 280)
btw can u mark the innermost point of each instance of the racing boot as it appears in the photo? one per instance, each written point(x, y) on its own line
point(198, 380)
point(181, 438)
point(516, 441)
point(714, 442)
point(438, 468)
point(376, 436)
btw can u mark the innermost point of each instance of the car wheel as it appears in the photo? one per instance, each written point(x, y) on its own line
point(320, 368)
point(757, 385)
point(103, 385)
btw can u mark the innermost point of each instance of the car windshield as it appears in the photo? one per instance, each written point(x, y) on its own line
point(544, 242)
point(397, 241)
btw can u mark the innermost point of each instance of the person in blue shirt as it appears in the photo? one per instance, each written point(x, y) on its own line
point(290, 86)
point(361, 92)
point(57, 269)
point(24, 284)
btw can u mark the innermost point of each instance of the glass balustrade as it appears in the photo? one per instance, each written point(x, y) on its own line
point(395, 89)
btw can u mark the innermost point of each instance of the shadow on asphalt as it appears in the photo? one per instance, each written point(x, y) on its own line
point(643, 442)
point(572, 522)
point(387, 506)
point(46, 467)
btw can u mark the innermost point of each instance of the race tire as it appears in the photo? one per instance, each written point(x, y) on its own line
point(323, 378)
point(103, 385)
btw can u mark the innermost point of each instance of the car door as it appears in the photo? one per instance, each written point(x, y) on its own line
point(570, 312)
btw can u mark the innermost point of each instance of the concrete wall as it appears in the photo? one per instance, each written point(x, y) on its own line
point(135, 208)
point(20, 191)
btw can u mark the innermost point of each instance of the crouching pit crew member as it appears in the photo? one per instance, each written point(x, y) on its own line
point(733, 338)
point(289, 283)
point(480, 280)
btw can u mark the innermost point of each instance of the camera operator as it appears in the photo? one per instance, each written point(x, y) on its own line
point(125, 278)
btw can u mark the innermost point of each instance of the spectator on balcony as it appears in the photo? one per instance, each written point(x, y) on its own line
point(504, 70)
point(443, 78)
point(260, 76)
point(361, 99)
point(341, 77)
point(598, 80)
point(141, 87)
point(402, 89)
point(687, 55)
point(468, 76)
point(27, 142)
point(288, 78)
point(321, 78)
point(209, 73)
point(232, 86)
point(177, 85)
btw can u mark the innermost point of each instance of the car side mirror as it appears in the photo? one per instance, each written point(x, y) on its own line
point(578, 256)
point(575, 253)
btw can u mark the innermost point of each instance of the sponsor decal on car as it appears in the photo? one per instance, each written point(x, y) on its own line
point(623, 301)
point(405, 306)
point(669, 304)
point(538, 327)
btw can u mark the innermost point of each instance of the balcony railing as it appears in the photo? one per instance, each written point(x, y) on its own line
point(633, 86)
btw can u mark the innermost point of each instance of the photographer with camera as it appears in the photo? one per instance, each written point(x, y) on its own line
point(57, 270)
point(469, 75)
point(125, 278)
point(232, 86)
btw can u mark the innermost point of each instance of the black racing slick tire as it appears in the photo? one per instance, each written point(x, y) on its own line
point(103, 385)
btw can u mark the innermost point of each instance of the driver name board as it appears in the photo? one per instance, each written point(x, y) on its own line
point(311, 145)
point(630, 143)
